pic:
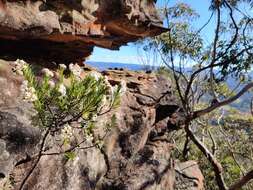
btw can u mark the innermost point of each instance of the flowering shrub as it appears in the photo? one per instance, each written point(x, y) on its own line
point(28, 92)
point(62, 101)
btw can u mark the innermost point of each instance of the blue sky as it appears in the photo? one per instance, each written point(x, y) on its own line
point(129, 54)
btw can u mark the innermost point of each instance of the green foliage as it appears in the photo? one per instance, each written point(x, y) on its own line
point(234, 145)
point(232, 171)
point(182, 38)
point(180, 35)
point(116, 97)
point(112, 123)
point(70, 156)
point(89, 129)
point(234, 3)
point(61, 103)
point(206, 84)
point(232, 63)
point(181, 11)
point(66, 103)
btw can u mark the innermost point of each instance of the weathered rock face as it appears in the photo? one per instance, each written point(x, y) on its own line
point(67, 30)
point(136, 153)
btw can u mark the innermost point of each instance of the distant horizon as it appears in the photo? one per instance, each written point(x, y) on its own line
point(102, 65)
point(94, 61)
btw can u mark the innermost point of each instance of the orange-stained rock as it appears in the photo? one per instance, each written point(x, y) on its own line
point(68, 30)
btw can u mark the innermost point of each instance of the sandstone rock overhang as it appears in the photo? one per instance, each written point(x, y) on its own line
point(68, 30)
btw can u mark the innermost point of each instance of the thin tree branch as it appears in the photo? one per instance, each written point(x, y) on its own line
point(214, 147)
point(199, 113)
point(37, 160)
point(216, 39)
point(172, 60)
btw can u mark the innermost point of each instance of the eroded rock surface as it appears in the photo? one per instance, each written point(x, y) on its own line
point(136, 153)
point(67, 30)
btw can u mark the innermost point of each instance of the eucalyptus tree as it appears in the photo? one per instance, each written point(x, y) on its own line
point(202, 62)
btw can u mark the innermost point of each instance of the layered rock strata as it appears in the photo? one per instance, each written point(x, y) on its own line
point(68, 30)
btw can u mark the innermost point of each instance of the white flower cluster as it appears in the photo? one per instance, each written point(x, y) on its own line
point(29, 93)
point(47, 72)
point(51, 83)
point(111, 91)
point(62, 89)
point(76, 70)
point(63, 67)
point(89, 137)
point(19, 65)
point(95, 75)
point(123, 86)
point(67, 132)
